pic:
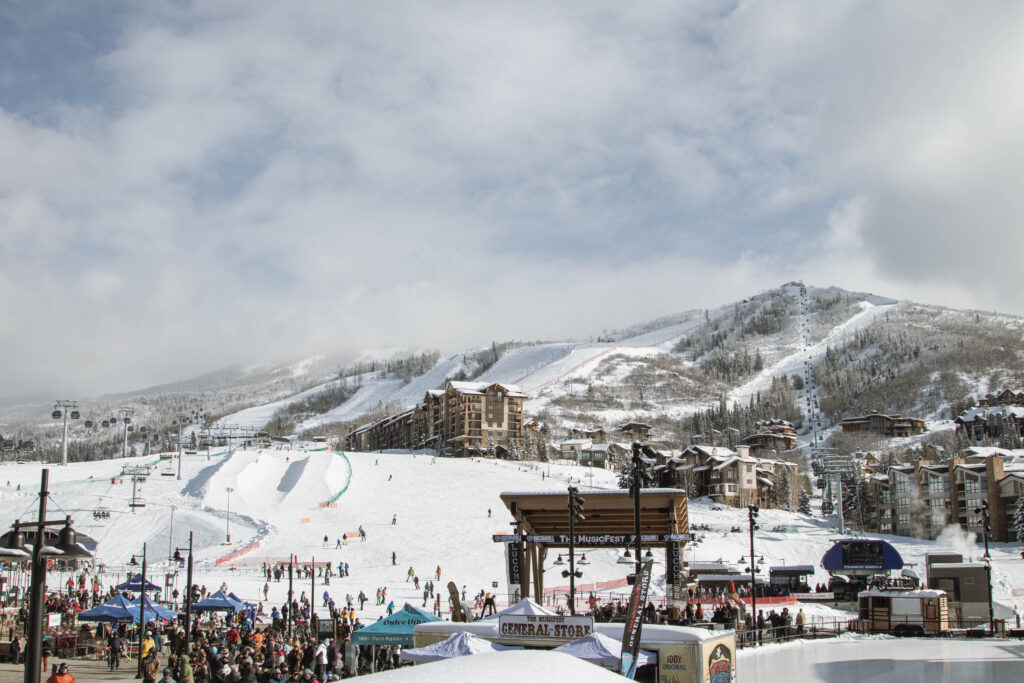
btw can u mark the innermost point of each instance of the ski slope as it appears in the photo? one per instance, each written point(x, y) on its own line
point(440, 507)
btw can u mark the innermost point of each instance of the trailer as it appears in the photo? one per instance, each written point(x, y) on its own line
point(893, 609)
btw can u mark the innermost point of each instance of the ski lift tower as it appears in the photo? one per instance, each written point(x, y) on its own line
point(836, 467)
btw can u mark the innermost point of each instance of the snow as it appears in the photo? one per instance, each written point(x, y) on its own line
point(878, 659)
point(503, 666)
point(442, 520)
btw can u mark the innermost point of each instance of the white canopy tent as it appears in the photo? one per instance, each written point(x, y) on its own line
point(457, 645)
point(524, 606)
point(603, 650)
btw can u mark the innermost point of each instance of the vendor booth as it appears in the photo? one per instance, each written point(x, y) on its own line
point(676, 654)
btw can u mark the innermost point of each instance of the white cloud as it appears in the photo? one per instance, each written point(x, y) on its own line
point(257, 178)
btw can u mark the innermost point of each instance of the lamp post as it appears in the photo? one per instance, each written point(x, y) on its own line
point(65, 408)
point(291, 593)
point(575, 514)
point(67, 547)
point(986, 527)
point(188, 590)
point(142, 607)
point(228, 518)
point(752, 511)
point(638, 464)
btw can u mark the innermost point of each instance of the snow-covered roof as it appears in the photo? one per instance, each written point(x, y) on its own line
point(573, 442)
point(923, 593)
point(477, 388)
point(957, 565)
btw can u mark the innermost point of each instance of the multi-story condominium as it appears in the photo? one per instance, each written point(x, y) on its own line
point(990, 421)
point(1006, 397)
point(920, 500)
point(886, 425)
point(732, 478)
point(464, 418)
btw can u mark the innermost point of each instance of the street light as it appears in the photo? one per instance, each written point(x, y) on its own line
point(752, 511)
point(65, 408)
point(188, 590)
point(575, 515)
point(67, 547)
point(142, 605)
point(228, 519)
point(986, 527)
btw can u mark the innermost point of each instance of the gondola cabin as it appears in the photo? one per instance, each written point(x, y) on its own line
point(889, 609)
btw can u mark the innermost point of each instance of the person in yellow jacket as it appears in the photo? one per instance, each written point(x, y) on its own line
point(147, 644)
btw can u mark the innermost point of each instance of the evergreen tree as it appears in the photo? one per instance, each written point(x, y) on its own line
point(805, 503)
point(626, 474)
point(1018, 519)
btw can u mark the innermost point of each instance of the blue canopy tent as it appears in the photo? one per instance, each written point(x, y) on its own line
point(163, 613)
point(117, 610)
point(394, 630)
point(248, 604)
point(218, 602)
point(134, 585)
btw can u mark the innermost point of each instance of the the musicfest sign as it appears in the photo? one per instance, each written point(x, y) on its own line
point(543, 627)
point(590, 540)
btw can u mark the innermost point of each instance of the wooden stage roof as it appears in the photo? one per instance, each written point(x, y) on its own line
point(662, 511)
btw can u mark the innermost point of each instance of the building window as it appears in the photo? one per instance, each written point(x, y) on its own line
point(903, 502)
point(901, 485)
point(903, 519)
point(971, 485)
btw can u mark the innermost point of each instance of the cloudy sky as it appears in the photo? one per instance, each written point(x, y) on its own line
point(184, 185)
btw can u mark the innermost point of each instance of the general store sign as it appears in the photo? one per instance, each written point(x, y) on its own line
point(542, 627)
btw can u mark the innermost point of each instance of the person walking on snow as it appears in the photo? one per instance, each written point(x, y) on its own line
point(409, 574)
point(394, 520)
point(325, 541)
point(394, 558)
point(438, 572)
point(391, 608)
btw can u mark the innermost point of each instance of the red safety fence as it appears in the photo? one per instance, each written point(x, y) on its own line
point(237, 553)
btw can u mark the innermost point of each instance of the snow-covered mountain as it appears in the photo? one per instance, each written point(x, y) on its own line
point(839, 352)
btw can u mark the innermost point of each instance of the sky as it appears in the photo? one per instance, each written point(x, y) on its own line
point(188, 185)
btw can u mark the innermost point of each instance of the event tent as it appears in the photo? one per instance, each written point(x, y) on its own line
point(117, 610)
point(457, 645)
point(134, 585)
point(603, 650)
point(163, 613)
point(394, 630)
point(524, 606)
point(218, 602)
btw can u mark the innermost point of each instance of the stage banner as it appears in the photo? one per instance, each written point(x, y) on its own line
point(634, 620)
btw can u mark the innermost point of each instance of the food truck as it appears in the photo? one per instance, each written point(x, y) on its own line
point(682, 654)
point(894, 606)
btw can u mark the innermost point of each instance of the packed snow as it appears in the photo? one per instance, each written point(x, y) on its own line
point(429, 511)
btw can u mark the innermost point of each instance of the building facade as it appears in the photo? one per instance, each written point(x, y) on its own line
point(463, 418)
